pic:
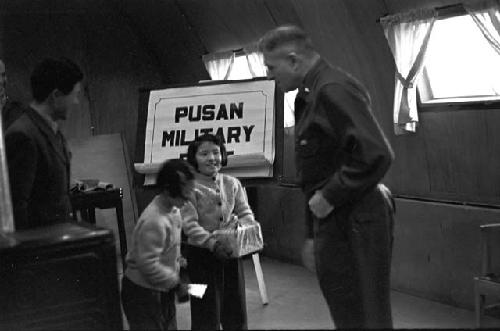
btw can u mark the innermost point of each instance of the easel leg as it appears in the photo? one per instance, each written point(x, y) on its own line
point(260, 278)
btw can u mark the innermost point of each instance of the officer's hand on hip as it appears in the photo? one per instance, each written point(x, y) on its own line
point(319, 206)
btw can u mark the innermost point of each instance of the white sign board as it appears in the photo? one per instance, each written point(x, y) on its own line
point(241, 113)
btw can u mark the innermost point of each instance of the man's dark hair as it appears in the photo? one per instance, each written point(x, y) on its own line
point(194, 145)
point(50, 74)
point(285, 34)
point(172, 177)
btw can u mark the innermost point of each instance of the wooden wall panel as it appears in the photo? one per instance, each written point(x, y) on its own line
point(453, 156)
point(436, 250)
point(281, 213)
point(462, 159)
point(408, 174)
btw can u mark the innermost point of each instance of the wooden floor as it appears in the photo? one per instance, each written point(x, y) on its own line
point(295, 302)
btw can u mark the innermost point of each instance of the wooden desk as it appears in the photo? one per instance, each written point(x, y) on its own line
point(87, 202)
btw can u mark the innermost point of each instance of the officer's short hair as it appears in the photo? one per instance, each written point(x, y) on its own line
point(285, 34)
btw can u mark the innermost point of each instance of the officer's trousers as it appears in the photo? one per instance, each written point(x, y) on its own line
point(353, 248)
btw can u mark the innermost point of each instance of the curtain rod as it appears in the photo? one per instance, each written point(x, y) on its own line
point(237, 51)
point(451, 10)
point(443, 11)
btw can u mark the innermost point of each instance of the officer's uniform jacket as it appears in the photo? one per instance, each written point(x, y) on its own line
point(340, 148)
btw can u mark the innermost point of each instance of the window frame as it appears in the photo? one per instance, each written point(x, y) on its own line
point(452, 104)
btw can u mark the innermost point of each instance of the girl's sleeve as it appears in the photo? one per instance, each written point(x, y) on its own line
point(241, 207)
point(150, 245)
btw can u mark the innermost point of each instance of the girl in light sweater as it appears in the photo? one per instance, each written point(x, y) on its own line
point(217, 198)
point(152, 273)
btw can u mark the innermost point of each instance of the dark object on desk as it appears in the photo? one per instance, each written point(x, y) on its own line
point(87, 202)
point(61, 277)
point(86, 185)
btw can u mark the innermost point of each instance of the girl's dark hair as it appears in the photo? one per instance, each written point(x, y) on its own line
point(194, 145)
point(172, 177)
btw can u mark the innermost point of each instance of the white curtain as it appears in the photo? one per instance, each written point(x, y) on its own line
point(255, 60)
point(486, 15)
point(408, 36)
point(219, 65)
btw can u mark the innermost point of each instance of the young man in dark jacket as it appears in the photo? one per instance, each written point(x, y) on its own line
point(37, 155)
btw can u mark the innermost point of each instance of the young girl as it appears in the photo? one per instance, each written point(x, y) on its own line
point(217, 197)
point(152, 272)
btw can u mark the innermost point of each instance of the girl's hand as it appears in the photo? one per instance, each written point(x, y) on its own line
point(234, 221)
point(182, 262)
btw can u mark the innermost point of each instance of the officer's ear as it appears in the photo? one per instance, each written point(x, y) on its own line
point(292, 57)
point(295, 60)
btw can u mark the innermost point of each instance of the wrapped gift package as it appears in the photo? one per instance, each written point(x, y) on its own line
point(244, 238)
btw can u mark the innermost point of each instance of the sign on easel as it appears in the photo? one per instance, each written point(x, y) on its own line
point(240, 113)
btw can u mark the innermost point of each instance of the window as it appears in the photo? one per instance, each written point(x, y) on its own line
point(240, 70)
point(460, 65)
